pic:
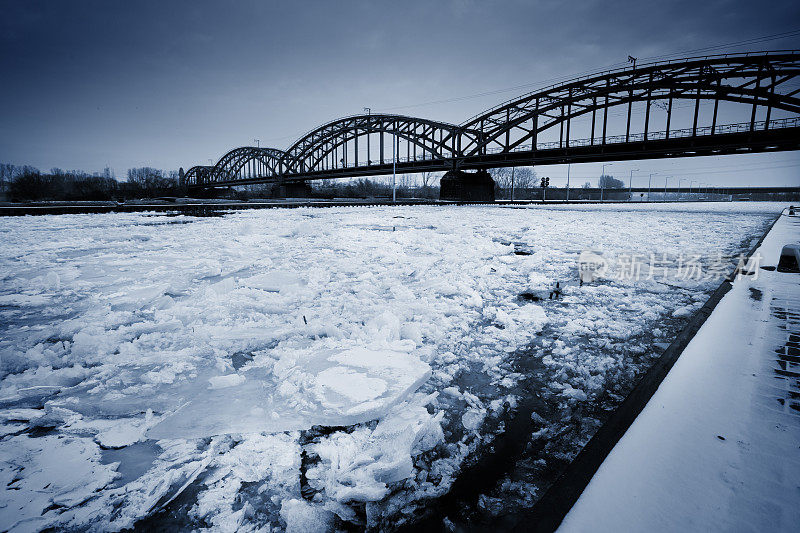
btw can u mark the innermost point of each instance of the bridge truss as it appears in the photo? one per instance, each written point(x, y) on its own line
point(721, 104)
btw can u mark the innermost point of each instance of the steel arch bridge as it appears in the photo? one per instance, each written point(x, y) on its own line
point(735, 103)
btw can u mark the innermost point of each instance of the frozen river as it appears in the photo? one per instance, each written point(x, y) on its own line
point(295, 369)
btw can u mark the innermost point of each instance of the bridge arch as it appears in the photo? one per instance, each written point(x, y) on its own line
point(336, 143)
point(756, 81)
point(197, 175)
point(248, 162)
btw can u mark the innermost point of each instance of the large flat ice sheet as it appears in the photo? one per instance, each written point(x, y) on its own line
point(327, 388)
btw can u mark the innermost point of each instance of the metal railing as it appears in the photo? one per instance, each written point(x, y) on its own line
point(721, 129)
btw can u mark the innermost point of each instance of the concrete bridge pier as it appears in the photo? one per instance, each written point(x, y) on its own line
point(294, 190)
point(461, 186)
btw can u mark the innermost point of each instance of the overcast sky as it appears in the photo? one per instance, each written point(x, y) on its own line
point(169, 83)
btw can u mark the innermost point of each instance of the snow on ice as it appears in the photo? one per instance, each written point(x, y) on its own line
point(153, 361)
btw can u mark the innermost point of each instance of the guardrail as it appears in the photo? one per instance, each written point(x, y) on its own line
point(722, 129)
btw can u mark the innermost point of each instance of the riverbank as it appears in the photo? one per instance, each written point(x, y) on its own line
point(716, 448)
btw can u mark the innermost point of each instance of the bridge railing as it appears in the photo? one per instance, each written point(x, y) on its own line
point(741, 127)
point(720, 129)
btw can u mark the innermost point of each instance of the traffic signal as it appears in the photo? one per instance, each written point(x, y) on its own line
point(543, 182)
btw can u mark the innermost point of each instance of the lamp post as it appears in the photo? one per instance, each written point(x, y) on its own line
point(679, 186)
point(258, 142)
point(649, 182)
point(603, 173)
point(394, 165)
point(630, 184)
point(568, 167)
point(369, 112)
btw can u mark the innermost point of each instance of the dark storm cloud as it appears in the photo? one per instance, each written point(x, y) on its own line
point(87, 84)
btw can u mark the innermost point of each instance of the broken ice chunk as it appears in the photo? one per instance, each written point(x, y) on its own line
point(358, 466)
point(221, 382)
point(275, 281)
point(352, 385)
point(330, 388)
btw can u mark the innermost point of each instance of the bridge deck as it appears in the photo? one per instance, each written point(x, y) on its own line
point(577, 151)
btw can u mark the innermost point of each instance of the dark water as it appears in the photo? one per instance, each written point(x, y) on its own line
point(533, 444)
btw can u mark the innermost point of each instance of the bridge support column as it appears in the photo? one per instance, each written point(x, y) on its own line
point(294, 190)
point(460, 186)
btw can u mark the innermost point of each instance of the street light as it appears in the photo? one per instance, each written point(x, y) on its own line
point(603, 173)
point(649, 181)
point(630, 184)
point(679, 186)
point(395, 148)
point(568, 167)
point(369, 161)
point(258, 142)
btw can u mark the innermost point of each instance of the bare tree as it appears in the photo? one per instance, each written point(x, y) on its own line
point(610, 182)
point(149, 181)
point(502, 179)
point(7, 172)
point(520, 179)
point(406, 181)
point(524, 178)
point(427, 179)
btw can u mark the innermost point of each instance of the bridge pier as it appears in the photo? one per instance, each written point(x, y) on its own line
point(294, 190)
point(460, 186)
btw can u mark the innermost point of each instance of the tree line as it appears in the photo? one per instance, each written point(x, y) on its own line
point(526, 185)
point(27, 183)
point(422, 185)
